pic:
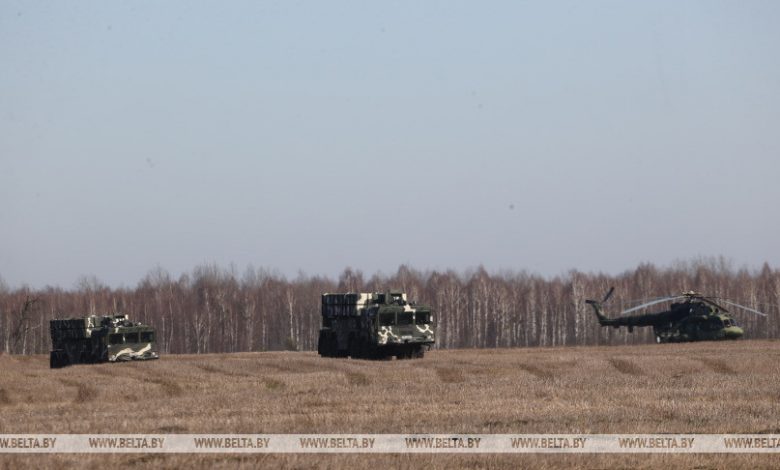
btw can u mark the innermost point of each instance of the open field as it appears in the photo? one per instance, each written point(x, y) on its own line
point(727, 387)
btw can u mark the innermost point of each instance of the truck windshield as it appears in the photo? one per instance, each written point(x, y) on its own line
point(115, 338)
point(422, 318)
point(405, 318)
point(387, 319)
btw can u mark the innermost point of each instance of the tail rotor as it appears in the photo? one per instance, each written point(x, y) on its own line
point(597, 306)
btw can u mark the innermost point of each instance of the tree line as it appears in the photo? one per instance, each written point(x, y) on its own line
point(216, 310)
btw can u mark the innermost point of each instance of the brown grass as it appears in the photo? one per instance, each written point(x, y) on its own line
point(540, 372)
point(5, 399)
point(84, 392)
point(273, 384)
point(450, 375)
point(169, 387)
point(625, 366)
point(717, 365)
point(728, 387)
point(357, 378)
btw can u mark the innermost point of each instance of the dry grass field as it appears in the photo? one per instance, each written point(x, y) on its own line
point(727, 387)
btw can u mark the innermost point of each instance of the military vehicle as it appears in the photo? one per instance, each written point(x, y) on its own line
point(374, 326)
point(100, 339)
point(691, 317)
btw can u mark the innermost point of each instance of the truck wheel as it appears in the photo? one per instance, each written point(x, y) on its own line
point(53, 364)
point(57, 359)
point(371, 351)
point(331, 345)
point(354, 348)
point(327, 344)
point(334, 347)
point(322, 344)
point(366, 351)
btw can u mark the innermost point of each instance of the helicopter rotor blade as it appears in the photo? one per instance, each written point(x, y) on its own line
point(646, 299)
point(648, 304)
point(711, 301)
point(743, 307)
point(609, 294)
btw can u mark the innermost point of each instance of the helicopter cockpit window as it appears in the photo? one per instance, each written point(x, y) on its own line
point(714, 324)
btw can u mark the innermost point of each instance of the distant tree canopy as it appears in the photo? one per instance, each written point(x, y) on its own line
point(213, 310)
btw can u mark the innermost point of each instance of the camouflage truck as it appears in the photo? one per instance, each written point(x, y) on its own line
point(99, 339)
point(374, 326)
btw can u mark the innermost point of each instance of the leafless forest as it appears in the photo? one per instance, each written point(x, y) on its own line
point(216, 310)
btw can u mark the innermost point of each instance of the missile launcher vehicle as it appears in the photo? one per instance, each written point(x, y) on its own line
point(374, 326)
point(97, 339)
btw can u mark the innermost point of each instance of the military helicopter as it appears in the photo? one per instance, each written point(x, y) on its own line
point(691, 317)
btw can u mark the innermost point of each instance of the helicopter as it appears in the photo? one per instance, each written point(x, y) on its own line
point(691, 317)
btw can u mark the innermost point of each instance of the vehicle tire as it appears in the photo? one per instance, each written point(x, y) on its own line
point(362, 348)
point(372, 352)
point(354, 353)
point(334, 347)
point(339, 352)
point(322, 344)
point(57, 359)
point(53, 364)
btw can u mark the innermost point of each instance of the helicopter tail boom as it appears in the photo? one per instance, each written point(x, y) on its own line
point(603, 320)
point(598, 310)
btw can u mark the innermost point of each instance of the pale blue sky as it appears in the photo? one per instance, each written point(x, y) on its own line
point(541, 136)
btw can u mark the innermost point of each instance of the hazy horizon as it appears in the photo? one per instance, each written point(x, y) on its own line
point(536, 136)
point(239, 272)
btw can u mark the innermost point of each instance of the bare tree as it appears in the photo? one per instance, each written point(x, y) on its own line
point(20, 330)
point(210, 310)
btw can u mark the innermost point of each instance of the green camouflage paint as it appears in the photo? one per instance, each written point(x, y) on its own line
point(690, 320)
point(97, 339)
point(374, 325)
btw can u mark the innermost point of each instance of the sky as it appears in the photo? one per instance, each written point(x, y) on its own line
point(308, 136)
